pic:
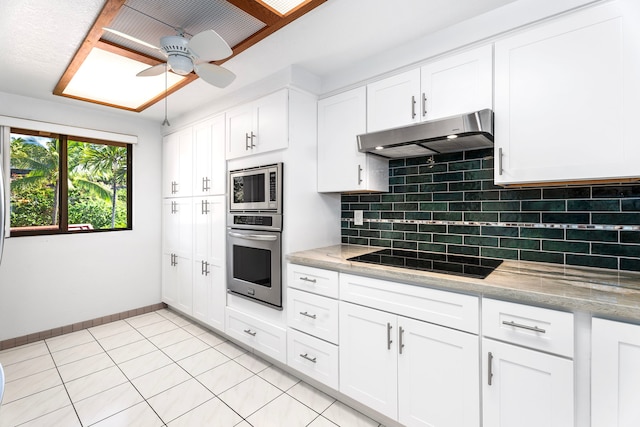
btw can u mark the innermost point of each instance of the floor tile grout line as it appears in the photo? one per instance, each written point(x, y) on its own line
point(63, 383)
point(132, 384)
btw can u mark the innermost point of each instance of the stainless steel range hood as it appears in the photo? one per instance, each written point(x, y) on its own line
point(468, 131)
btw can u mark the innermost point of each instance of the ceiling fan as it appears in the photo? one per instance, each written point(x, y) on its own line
point(187, 55)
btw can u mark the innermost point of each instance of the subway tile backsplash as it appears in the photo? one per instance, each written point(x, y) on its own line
point(448, 203)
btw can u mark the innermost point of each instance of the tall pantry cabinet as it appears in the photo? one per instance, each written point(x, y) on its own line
point(193, 273)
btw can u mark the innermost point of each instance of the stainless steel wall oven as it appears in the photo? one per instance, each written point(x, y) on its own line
point(254, 226)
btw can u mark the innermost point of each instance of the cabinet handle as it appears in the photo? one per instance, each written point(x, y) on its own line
point(306, 279)
point(389, 341)
point(174, 207)
point(306, 356)
point(174, 260)
point(490, 367)
point(246, 141)
point(400, 343)
point(306, 314)
point(250, 332)
point(205, 184)
point(521, 326)
point(500, 161)
point(174, 187)
point(359, 174)
point(413, 107)
point(204, 268)
point(424, 104)
point(252, 137)
point(204, 208)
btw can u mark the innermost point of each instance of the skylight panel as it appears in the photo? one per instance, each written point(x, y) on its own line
point(111, 79)
point(283, 6)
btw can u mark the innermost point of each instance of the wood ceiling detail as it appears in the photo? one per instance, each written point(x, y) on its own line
point(273, 22)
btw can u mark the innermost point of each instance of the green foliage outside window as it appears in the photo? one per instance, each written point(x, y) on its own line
point(96, 183)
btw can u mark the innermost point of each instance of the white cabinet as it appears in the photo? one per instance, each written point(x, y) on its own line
point(209, 165)
point(265, 337)
point(177, 249)
point(416, 372)
point(341, 167)
point(193, 226)
point(566, 98)
point(394, 101)
point(524, 386)
point(259, 126)
point(312, 319)
point(209, 285)
point(176, 161)
point(615, 374)
point(453, 85)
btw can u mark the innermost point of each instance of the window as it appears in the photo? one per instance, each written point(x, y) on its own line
point(66, 184)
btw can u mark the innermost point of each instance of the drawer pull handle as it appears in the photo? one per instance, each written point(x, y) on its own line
point(310, 359)
point(521, 326)
point(250, 332)
point(306, 314)
point(389, 340)
point(306, 279)
point(400, 343)
point(490, 367)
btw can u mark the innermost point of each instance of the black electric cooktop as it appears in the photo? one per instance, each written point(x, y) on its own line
point(459, 265)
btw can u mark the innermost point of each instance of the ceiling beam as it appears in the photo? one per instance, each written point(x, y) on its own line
point(270, 29)
point(257, 10)
point(106, 16)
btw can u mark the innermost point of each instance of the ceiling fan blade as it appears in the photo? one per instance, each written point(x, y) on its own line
point(209, 46)
point(131, 38)
point(215, 75)
point(156, 70)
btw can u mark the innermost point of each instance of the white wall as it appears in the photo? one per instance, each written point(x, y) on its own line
point(52, 281)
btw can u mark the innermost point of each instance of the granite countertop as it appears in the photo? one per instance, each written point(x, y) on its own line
point(601, 292)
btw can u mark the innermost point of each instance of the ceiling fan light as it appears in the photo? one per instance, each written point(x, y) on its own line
point(180, 64)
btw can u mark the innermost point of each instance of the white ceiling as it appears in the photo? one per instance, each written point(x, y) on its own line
point(38, 38)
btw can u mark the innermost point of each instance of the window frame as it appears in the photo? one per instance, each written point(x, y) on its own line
point(63, 201)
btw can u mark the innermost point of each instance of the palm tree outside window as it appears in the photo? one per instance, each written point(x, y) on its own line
point(62, 184)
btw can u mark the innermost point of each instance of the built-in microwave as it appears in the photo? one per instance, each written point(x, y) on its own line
point(257, 189)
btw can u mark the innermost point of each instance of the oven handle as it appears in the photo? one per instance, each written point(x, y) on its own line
point(262, 237)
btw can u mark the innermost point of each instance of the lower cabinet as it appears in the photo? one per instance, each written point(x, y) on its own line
point(416, 372)
point(615, 374)
point(313, 357)
point(265, 337)
point(526, 388)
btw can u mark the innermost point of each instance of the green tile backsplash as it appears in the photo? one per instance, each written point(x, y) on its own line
point(449, 203)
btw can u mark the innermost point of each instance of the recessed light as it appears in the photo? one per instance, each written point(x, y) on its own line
point(452, 136)
point(379, 147)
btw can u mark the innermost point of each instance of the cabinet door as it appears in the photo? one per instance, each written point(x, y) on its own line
point(394, 101)
point(566, 98)
point(438, 376)
point(526, 388)
point(239, 129)
point(177, 157)
point(369, 357)
point(209, 286)
point(209, 158)
point(458, 84)
point(169, 280)
point(341, 167)
point(177, 223)
point(615, 374)
point(177, 283)
point(271, 122)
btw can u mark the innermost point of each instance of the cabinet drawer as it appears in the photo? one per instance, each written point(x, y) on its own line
point(313, 314)
point(534, 327)
point(315, 280)
point(264, 337)
point(316, 358)
point(444, 308)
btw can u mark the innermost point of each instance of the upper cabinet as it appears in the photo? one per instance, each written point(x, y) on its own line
point(453, 85)
point(566, 98)
point(177, 158)
point(209, 164)
point(341, 167)
point(259, 126)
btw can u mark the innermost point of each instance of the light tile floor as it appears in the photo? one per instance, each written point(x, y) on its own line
point(157, 369)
